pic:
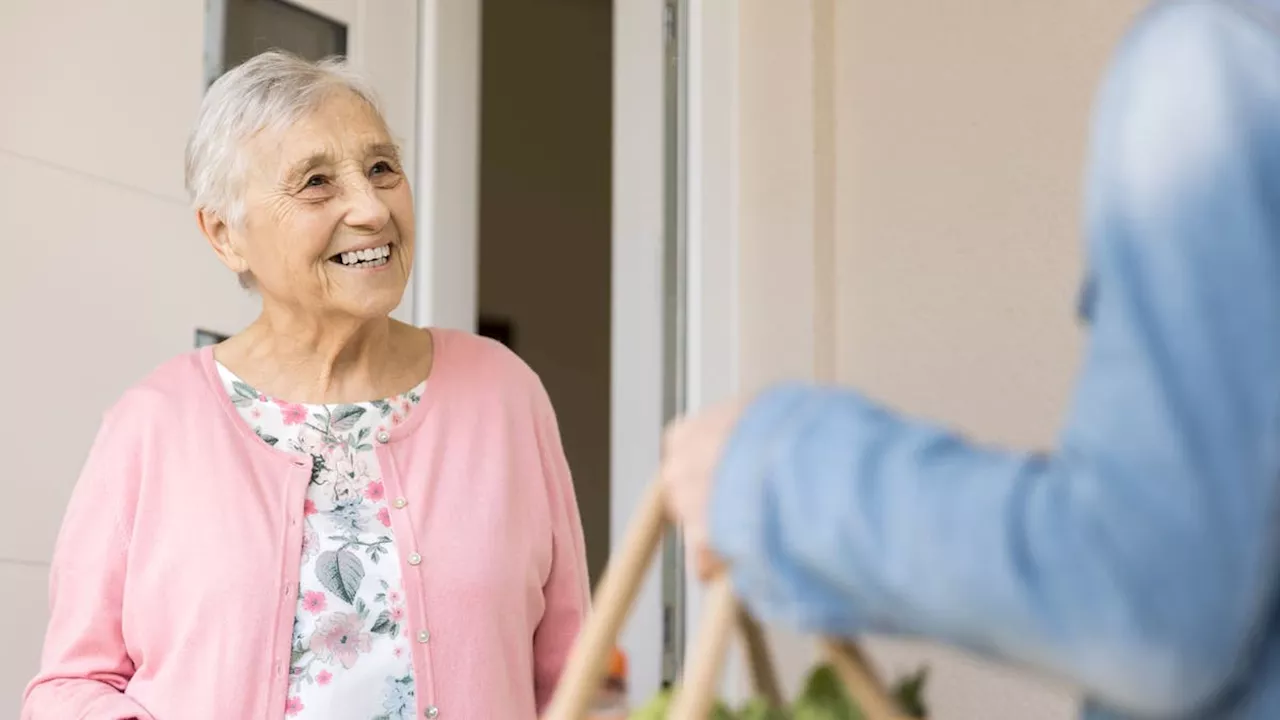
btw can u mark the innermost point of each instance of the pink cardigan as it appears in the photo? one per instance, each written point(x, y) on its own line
point(174, 578)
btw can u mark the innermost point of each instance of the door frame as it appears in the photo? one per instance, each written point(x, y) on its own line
point(637, 313)
point(446, 262)
point(709, 352)
point(713, 341)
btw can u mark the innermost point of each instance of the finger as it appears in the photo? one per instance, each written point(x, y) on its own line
point(708, 564)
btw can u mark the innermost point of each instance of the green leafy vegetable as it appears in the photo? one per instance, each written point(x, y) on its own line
point(760, 709)
point(655, 709)
point(823, 697)
point(910, 694)
point(722, 712)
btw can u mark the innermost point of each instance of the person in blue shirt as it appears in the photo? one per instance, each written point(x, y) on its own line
point(1139, 559)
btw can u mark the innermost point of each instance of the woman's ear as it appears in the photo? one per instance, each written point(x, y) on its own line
point(218, 233)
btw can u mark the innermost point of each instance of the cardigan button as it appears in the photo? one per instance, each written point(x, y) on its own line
point(424, 637)
point(400, 503)
point(431, 712)
point(415, 559)
point(384, 437)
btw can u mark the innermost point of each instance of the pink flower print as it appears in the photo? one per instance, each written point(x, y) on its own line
point(309, 508)
point(310, 543)
point(340, 637)
point(293, 706)
point(292, 413)
point(256, 414)
point(310, 441)
point(324, 677)
point(394, 597)
point(350, 475)
point(405, 407)
point(314, 601)
point(398, 652)
point(352, 468)
point(397, 613)
point(396, 419)
point(375, 491)
point(384, 517)
point(343, 489)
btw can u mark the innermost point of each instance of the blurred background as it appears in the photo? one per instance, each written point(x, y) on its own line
point(657, 203)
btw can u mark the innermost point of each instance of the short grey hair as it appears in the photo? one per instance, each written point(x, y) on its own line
point(270, 91)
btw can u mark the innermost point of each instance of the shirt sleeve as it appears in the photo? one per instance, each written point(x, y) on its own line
point(85, 668)
point(567, 589)
point(1139, 558)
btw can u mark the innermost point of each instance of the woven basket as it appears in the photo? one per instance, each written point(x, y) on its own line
point(695, 697)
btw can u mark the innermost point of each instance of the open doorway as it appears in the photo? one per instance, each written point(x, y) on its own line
point(545, 219)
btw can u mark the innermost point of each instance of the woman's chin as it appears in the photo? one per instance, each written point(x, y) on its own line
point(373, 304)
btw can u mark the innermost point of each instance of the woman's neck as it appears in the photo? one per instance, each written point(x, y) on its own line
point(327, 360)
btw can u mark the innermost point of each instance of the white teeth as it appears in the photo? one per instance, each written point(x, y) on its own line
point(372, 257)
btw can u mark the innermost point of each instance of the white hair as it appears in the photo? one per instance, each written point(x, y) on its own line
point(270, 91)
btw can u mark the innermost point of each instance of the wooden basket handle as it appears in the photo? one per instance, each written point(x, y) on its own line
point(585, 668)
point(696, 695)
point(760, 667)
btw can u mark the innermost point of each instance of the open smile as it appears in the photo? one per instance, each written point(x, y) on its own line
point(366, 259)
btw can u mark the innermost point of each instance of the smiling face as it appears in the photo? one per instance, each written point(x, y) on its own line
point(328, 214)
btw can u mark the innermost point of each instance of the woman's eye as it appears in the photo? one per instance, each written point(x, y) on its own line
point(381, 168)
point(315, 181)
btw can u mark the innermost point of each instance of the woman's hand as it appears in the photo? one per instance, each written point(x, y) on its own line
point(692, 448)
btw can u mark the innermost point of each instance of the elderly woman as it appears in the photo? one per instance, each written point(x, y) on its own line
point(332, 514)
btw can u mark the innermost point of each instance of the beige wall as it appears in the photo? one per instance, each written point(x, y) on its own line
point(960, 156)
point(960, 153)
point(545, 146)
point(935, 264)
point(108, 275)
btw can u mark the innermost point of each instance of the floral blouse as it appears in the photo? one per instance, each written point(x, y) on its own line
point(351, 659)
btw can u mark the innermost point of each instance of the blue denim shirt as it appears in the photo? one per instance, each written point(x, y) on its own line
point(1137, 560)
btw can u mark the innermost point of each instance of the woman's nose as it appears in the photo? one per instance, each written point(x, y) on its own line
point(366, 211)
